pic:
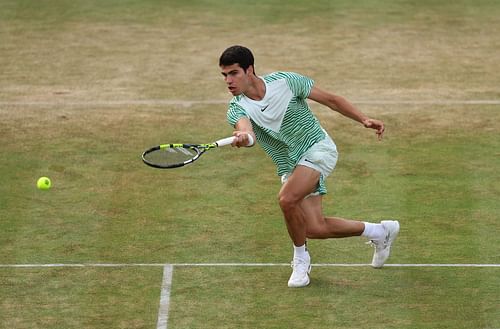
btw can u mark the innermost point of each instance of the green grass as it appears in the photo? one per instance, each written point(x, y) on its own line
point(107, 207)
point(79, 298)
point(63, 62)
point(405, 298)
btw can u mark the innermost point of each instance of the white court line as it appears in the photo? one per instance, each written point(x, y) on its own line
point(188, 103)
point(118, 265)
point(166, 286)
point(143, 102)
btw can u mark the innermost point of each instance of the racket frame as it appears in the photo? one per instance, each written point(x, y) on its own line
point(198, 148)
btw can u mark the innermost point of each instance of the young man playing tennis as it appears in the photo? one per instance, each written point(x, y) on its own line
point(273, 111)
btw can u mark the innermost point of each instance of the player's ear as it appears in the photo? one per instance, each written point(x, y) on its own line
point(251, 70)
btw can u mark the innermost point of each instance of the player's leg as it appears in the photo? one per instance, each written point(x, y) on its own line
point(320, 227)
point(381, 235)
point(301, 183)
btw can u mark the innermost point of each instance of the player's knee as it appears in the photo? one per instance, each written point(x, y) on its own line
point(287, 201)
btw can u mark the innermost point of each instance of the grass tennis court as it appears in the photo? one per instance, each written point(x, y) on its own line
point(86, 86)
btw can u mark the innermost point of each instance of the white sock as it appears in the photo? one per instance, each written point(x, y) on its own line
point(300, 252)
point(373, 231)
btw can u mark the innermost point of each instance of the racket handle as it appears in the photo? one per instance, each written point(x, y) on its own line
point(229, 140)
point(225, 141)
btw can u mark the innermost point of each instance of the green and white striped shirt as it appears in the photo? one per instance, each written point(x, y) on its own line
point(284, 125)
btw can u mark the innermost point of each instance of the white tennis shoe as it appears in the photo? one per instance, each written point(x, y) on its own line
point(383, 246)
point(301, 269)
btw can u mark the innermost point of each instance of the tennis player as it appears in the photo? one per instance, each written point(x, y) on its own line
point(273, 110)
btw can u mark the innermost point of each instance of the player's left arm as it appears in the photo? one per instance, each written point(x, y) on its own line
point(344, 107)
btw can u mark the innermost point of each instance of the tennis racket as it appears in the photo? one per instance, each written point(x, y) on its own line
point(168, 156)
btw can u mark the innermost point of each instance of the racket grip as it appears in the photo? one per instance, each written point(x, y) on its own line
point(225, 141)
point(229, 140)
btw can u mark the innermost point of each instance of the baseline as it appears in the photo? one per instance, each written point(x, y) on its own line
point(189, 103)
point(172, 265)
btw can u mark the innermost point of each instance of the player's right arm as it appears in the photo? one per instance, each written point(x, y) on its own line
point(242, 130)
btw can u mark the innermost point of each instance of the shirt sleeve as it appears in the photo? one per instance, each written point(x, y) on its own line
point(234, 113)
point(300, 85)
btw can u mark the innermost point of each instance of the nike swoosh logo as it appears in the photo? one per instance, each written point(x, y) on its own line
point(264, 108)
point(387, 239)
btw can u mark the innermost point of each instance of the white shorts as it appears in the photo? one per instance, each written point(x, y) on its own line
point(321, 157)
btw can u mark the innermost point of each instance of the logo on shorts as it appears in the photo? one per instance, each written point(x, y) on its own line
point(264, 108)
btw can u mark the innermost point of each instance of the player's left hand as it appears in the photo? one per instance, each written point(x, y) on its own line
point(375, 124)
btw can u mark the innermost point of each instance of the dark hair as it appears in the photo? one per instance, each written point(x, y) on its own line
point(237, 55)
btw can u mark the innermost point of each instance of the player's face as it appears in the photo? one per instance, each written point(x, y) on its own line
point(237, 80)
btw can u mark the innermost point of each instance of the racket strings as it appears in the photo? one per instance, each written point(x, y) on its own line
point(171, 156)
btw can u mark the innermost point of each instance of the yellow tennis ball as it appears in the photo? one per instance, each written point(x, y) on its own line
point(43, 183)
